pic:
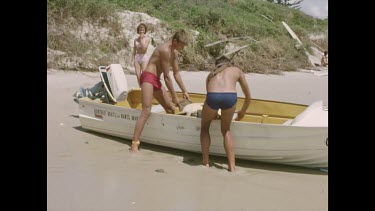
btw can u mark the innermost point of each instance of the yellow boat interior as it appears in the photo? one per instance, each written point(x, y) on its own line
point(259, 111)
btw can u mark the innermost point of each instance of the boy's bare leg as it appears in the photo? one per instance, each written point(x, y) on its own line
point(226, 119)
point(163, 98)
point(147, 92)
point(208, 115)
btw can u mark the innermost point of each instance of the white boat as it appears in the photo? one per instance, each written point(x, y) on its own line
point(271, 131)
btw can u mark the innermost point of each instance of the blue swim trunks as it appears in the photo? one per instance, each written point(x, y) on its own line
point(221, 100)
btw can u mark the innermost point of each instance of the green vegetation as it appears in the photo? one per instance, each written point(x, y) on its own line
point(214, 19)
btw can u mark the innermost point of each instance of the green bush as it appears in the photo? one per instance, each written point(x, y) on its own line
point(214, 19)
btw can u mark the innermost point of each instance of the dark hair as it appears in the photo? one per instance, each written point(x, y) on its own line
point(139, 26)
point(325, 52)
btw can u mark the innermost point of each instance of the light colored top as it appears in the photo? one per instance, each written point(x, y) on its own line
point(141, 46)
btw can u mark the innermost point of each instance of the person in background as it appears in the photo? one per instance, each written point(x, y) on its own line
point(324, 59)
point(164, 56)
point(140, 59)
point(222, 94)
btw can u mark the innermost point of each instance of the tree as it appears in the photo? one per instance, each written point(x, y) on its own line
point(289, 3)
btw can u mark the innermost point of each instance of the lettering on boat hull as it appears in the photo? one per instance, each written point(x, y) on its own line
point(99, 113)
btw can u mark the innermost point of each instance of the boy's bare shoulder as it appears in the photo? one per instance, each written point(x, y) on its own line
point(233, 69)
point(236, 68)
point(162, 48)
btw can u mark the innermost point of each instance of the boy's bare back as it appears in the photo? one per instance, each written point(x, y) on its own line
point(161, 53)
point(225, 81)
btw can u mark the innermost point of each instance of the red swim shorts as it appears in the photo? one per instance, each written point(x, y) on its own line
point(150, 78)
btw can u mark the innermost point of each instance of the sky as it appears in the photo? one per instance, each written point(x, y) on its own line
point(315, 8)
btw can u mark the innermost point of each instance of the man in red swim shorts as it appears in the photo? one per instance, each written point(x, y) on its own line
point(163, 57)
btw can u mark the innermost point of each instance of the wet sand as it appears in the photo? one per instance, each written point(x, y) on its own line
point(91, 171)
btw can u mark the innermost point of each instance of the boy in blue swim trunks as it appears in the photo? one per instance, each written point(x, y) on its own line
point(222, 94)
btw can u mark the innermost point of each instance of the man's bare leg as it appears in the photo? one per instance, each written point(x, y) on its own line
point(147, 92)
point(226, 119)
point(208, 115)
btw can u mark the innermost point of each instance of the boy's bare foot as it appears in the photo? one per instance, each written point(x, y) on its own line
point(231, 169)
point(135, 146)
point(206, 163)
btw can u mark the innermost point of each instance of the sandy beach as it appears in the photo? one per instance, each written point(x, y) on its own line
point(91, 171)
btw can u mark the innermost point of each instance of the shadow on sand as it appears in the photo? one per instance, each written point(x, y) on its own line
point(194, 159)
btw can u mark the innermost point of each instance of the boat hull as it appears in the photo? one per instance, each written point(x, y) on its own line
point(273, 143)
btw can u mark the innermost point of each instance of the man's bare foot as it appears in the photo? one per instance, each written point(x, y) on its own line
point(135, 146)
